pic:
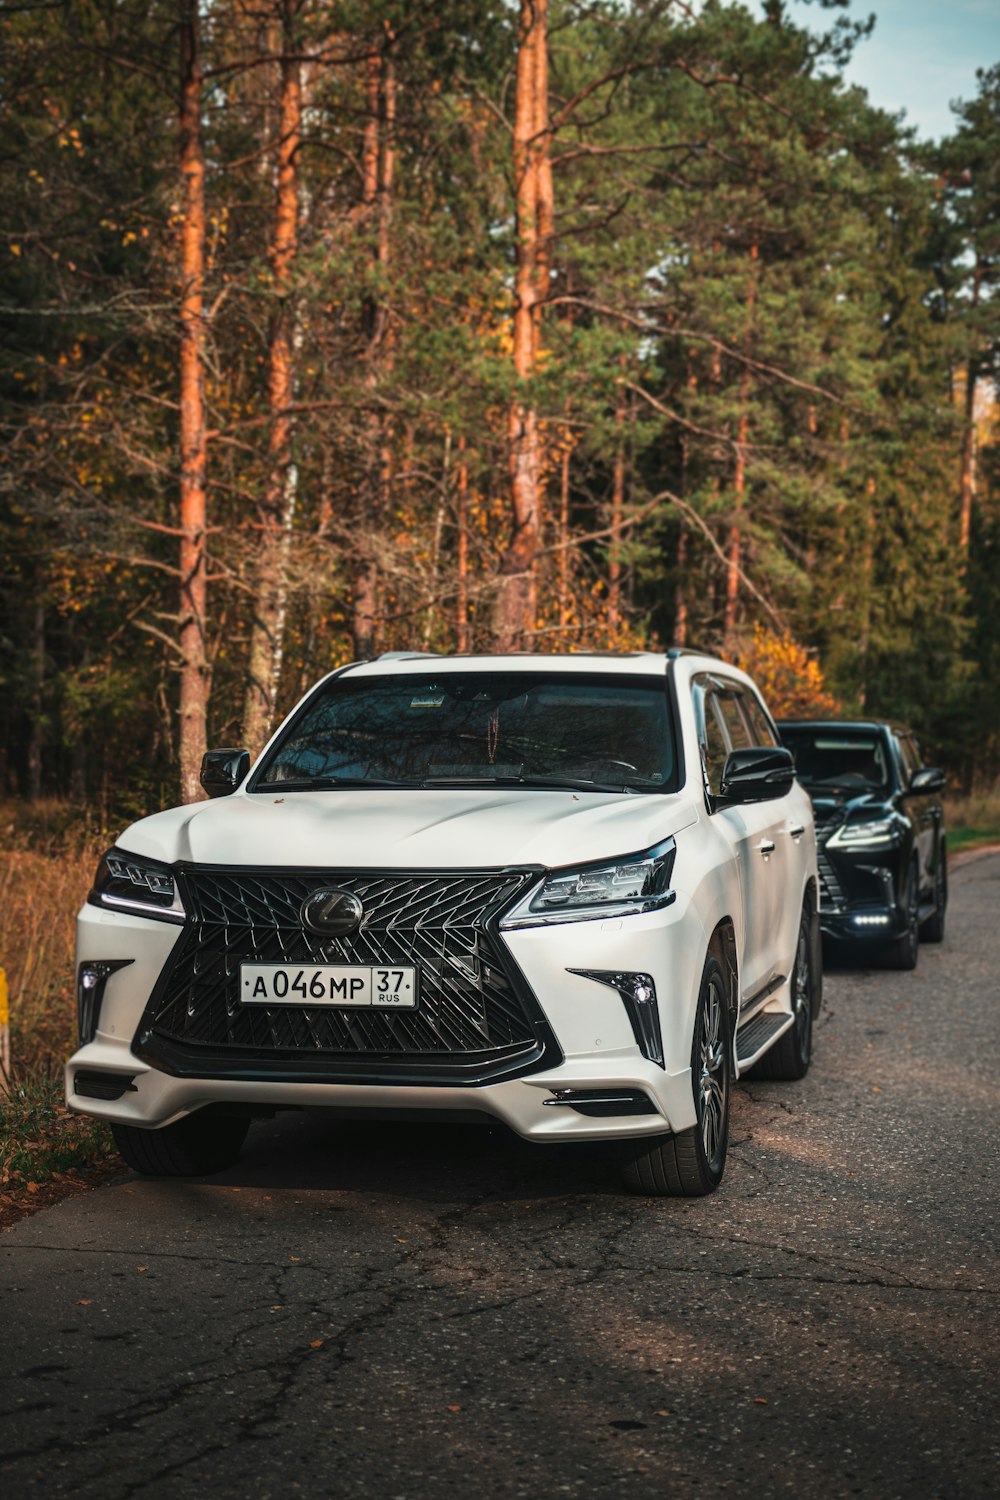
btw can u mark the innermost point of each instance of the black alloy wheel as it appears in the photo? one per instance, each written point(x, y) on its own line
point(200, 1144)
point(932, 930)
point(691, 1164)
point(902, 954)
point(789, 1058)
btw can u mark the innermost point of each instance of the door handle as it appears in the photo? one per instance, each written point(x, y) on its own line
point(797, 831)
point(765, 847)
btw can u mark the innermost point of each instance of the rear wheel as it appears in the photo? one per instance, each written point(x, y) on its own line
point(789, 1057)
point(933, 929)
point(691, 1164)
point(902, 954)
point(196, 1146)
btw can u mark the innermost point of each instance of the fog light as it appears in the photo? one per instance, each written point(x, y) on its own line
point(91, 979)
point(638, 994)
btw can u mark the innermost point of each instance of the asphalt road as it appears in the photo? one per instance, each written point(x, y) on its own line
point(416, 1311)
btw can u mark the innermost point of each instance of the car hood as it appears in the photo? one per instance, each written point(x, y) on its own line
point(836, 808)
point(410, 830)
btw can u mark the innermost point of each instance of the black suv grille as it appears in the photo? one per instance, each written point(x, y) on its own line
point(831, 894)
point(476, 1017)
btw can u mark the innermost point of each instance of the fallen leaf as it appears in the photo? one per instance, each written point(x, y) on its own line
point(876, 1090)
point(142, 1268)
point(664, 1413)
point(294, 1257)
point(277, 1306)
point(760, 1400)
point(402, 1242)
point(454, 1408)
point(32, 1187)
point(84, 1302)
point(317, 1343)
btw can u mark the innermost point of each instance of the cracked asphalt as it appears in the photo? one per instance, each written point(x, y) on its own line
point(405, 1311)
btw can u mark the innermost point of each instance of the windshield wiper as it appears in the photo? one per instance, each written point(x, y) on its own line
point(325, 783)
point(569, 783)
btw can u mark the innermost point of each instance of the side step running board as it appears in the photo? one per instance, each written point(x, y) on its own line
point(753, 1039)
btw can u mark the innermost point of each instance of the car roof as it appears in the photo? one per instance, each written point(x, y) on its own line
point(867, 726)
point(626, 663)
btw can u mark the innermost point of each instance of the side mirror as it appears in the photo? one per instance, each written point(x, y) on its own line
point(757, 775)
point(930, 779)
point(223, 770)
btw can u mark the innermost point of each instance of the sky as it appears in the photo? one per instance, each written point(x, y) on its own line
point(921, 56)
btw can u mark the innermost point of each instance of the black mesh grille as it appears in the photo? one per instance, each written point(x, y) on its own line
point(474, 1009)
point(831, 895)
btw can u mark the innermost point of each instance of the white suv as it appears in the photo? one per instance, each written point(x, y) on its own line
point(575, 894)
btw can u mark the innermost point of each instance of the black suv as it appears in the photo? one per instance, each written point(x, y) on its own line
point(879, 834)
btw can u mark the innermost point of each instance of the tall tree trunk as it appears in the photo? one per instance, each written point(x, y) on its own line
point(36, 729)
point(681, 555)
point(276, 513)
point(617, 503)
point(514, 611)
point(734, 541)
point(967, 471)
point(864, 621)
point(462, 529)
point(680, 592)
point(195, 674)
point(378, 171)
point(563, 553)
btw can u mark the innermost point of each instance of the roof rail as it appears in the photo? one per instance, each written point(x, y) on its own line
point(673, 652)
point(405, 655)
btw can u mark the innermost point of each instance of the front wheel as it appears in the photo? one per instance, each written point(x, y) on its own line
point(933, 929)
point(196, 1146)
point(902, 954)
point(789, 1058)
point(690, 1164)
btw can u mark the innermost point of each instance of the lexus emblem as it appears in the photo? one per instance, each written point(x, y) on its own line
point(331, 913)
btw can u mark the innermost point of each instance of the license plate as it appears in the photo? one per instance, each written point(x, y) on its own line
point(354, 985)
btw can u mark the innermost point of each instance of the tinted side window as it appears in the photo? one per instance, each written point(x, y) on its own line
point(909, 758)
point(736, 725)
point(761, 732)
point(914, 752)
point(712, 737)
point(715, 747)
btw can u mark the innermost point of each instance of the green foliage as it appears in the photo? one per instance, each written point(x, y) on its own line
point(760, 306)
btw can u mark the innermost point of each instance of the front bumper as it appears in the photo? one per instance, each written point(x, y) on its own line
point(858, 895)
point(596, 1047)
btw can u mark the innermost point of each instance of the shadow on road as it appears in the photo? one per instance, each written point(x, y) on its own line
point(434, 1163)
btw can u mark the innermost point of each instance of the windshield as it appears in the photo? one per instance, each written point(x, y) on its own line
point(459, 728)
point(839, 760)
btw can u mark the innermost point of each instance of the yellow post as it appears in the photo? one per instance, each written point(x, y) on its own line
point(4, 1034)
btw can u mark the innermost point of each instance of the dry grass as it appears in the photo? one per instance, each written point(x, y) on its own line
point(46, 866)
point(973, 820)
point(40, 894)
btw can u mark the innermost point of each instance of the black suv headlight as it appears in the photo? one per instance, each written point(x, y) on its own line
point(131, 882)
point(874, 833)
point(614, 888)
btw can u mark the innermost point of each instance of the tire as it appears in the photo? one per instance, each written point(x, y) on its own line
point(691, 1164)
point(902, 954)
point(789, 1058)
point(196, 1146)
point(932, 930)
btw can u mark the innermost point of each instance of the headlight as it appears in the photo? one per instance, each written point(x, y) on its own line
point(615, 888)
point(865, 835)
point(130, 882)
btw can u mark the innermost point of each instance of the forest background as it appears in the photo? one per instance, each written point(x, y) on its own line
point(330, 327)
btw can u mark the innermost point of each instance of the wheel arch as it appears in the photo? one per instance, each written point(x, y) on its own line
point(722, 944)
